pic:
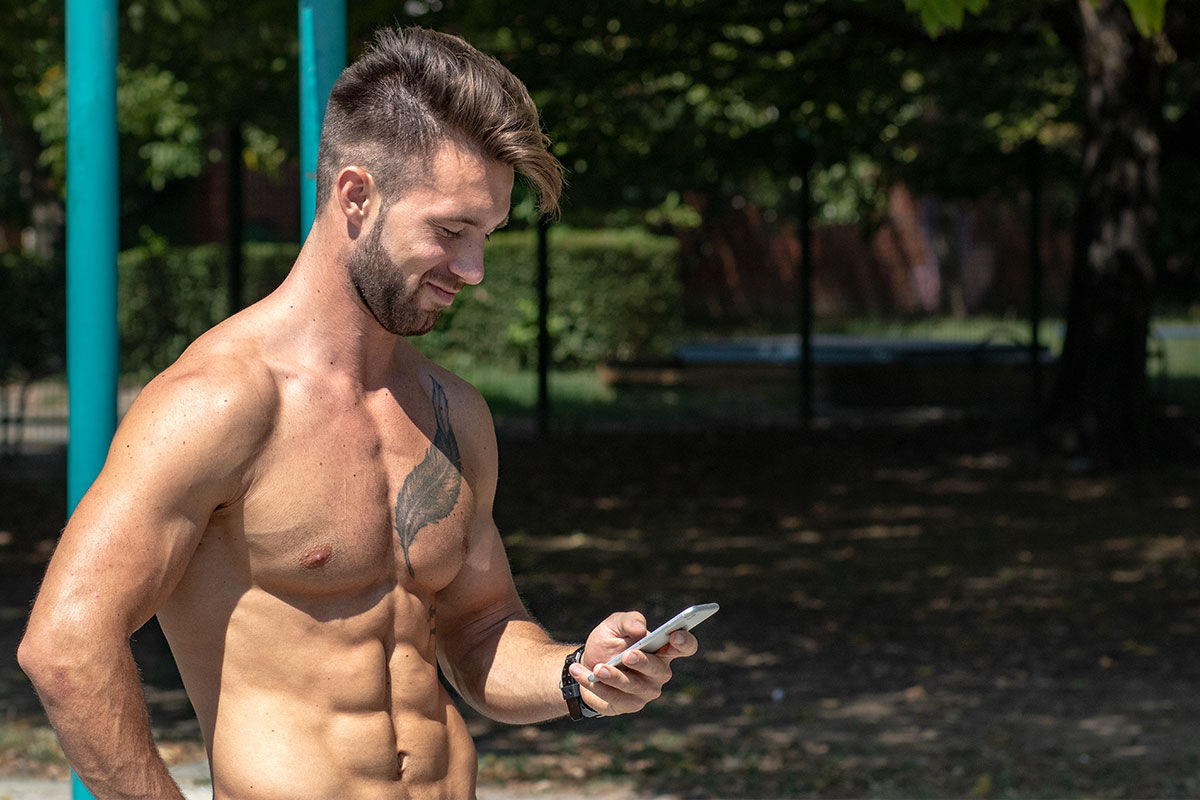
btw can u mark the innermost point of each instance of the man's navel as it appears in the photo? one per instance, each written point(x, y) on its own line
point(316, 556)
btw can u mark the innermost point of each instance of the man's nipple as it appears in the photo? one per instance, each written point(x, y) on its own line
point(316, 556)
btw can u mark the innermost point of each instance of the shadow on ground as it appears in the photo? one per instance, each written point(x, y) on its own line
point(906, 612)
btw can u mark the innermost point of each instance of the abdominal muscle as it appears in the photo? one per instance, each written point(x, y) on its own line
point(306, 707)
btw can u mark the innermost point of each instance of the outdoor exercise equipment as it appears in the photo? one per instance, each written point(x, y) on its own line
point(91, 247)
point(91, 238)
point(322, 26)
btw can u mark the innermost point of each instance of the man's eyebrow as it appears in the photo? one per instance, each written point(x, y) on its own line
point(474, 221)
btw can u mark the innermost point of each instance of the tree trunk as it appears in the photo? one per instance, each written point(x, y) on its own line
point(1102, 396)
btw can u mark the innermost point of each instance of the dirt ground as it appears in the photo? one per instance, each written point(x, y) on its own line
point(926, 611)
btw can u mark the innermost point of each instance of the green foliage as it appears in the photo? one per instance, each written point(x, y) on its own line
point(31, 43)
point(32, 315)
point(187, 68)
point(1148, 15)
point(160, 140)
point(938, 15)
point(613, 294)
point(649, 100)
point(167, 296)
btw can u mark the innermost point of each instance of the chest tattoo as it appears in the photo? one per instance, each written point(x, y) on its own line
point(431, 490)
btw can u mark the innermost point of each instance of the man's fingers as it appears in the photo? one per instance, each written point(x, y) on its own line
point(623, 691)
point(629, 624)
point(681, 645)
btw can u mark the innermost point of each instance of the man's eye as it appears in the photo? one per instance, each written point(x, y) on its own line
point(451, 234)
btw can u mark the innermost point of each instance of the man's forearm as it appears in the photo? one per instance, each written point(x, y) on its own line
point(510, 671)
point(96, 705)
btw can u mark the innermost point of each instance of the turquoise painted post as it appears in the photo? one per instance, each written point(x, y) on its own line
point(91, 247)
point(322, 58)
point(78, 790)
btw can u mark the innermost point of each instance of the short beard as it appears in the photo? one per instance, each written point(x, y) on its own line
point(374, 277)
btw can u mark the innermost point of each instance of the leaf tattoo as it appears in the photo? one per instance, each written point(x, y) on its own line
point(431, 490)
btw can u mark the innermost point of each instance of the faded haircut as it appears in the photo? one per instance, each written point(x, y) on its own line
point(415, 88)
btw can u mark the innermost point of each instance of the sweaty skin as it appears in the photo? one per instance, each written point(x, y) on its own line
point(306, 503)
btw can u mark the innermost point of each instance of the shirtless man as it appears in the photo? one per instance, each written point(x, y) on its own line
point(306, 502)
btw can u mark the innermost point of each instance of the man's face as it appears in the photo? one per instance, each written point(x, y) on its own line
point(427, 244)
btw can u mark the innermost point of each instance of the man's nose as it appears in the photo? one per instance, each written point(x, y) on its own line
point(468, 266)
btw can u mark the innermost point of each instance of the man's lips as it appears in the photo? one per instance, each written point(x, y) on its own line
point(444, 296)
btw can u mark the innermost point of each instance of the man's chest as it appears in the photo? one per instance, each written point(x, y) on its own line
point(348, 496)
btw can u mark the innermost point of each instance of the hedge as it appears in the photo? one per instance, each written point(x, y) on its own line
point(613, 294)
point(167, 296)
point(33, 335)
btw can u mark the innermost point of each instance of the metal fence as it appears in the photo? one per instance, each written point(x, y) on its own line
point(34, 415)
point(744, 380)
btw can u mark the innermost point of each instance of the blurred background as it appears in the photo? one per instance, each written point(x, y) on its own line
point(967, 211)
point(877, 321)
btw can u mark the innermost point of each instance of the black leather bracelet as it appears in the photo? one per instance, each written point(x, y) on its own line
point(576, 706)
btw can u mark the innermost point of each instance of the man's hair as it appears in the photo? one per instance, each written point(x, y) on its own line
point(414, 89)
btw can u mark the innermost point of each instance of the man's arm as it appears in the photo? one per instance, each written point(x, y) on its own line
point(178, 454)
point(502, 661)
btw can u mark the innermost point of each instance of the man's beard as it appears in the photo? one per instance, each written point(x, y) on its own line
point(379, 281)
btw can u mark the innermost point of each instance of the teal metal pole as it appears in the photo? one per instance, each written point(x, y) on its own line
point(78, 790)
point(91, 247)
point(322, 58)
point(91, 238)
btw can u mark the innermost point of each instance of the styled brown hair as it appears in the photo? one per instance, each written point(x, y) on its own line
point(414, 88)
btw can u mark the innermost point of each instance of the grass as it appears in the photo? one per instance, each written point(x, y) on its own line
point(583, 396)
point(1173, 369)
point(29, 748)
point(1180, 354)
point(903, 614)
point(1001, 330)
point(906, 613)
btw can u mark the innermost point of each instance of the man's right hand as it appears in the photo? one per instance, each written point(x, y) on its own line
point(627, 690)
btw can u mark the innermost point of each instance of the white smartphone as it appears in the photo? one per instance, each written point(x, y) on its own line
point(685, 620)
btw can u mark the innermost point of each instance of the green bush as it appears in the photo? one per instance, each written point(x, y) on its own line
point(33, 316)
point(167, 296)
point(613, 294)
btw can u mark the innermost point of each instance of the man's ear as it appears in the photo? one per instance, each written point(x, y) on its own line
point(356, 196)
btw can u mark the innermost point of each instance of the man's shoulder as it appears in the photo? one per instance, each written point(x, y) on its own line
point(466, 404)
point(460, 393)
point(456, 387)
point(221, 385)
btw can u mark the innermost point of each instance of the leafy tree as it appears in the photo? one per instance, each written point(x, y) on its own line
point(665, 95)
point(1129, 56)
point(30, 48)
point(189, 71)
point(656, 97)
point(650, 102)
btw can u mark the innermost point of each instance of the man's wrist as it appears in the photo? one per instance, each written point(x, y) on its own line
point(576, 707)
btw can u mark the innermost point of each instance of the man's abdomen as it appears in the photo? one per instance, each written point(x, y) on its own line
point(344, 701)
point(267, 746)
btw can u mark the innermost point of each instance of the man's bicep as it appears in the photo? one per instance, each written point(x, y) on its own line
point(481, 602)
point(124, 548)
point(482, 594)
point(133, 533)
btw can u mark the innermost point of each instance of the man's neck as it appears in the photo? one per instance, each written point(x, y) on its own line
point(327, 325)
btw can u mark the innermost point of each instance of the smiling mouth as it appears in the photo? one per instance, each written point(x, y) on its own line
point(445, 296)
